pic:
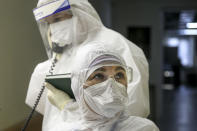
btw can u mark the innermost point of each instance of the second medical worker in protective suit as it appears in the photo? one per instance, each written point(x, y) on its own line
point(65, 26)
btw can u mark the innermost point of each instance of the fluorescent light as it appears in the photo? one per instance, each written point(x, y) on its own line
point(188, 32)
point(173, 42)
point(191, 25)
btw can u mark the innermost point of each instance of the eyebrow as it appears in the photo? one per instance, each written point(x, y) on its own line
point(119, 68)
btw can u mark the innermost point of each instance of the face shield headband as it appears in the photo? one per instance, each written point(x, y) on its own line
point(50, 8)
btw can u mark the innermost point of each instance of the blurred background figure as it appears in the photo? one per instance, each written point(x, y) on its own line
point(165, 30)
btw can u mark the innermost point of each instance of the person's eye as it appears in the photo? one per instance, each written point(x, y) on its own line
point(98, 76)
point(119, 75)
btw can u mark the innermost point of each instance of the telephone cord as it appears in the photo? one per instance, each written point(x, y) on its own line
point(39, 95)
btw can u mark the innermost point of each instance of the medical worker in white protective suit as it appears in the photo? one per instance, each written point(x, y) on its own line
point(100, 81)
point(81, 25)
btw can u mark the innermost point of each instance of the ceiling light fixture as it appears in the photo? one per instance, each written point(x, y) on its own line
point(191, 25)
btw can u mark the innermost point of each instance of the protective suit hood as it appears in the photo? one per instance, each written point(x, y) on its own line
point(134, 57)
point(84, 20)
point(84, 57)
point(121, 122)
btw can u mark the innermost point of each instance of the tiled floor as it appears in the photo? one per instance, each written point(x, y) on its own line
point(179, 109)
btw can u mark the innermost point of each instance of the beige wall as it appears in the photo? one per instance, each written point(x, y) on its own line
point(20, 50)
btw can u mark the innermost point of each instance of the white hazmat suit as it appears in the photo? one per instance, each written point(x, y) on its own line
point(88, 29)
point(83, 114)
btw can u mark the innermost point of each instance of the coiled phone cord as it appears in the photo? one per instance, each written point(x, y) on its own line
point(39, 95)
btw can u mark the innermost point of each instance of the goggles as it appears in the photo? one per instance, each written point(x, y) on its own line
point(98, 74)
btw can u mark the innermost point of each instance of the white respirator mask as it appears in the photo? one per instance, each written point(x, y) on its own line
point(107, 98)
point(62, 32)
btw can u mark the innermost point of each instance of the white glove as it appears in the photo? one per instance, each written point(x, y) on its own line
point(57, 97)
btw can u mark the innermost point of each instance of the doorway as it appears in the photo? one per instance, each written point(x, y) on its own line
point(179, 70)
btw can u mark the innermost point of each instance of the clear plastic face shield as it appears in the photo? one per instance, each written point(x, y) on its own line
point(53, 19)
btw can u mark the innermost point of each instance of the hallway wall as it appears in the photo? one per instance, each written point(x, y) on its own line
point(21, 49)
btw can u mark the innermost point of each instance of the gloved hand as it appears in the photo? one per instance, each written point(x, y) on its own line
point(57, 97)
